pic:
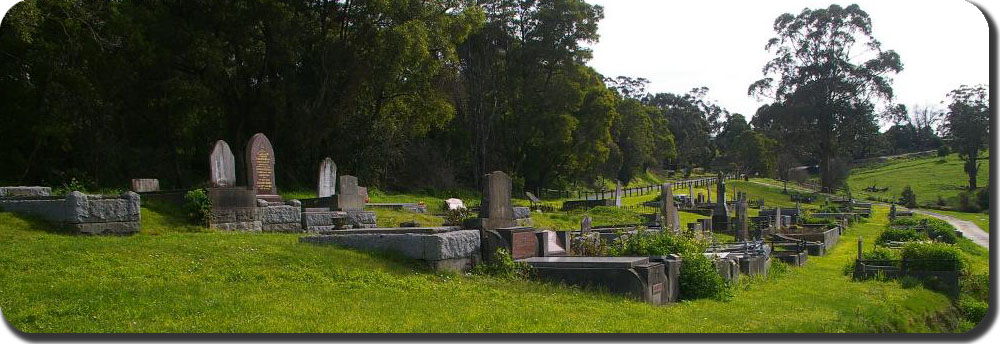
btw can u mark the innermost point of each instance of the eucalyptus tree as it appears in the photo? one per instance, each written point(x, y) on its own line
point(830, 71)
point(967, 123)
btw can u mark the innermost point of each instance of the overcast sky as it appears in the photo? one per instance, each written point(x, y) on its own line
point(682, 44)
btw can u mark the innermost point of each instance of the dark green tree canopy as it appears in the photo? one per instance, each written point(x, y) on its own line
point(830, 70)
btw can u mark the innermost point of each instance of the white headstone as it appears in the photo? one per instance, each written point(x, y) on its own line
point(327, 185)
point(618, 194)
point(222, 163)
point(454, 204)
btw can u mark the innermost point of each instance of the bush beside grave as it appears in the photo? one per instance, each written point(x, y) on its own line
point(898, 235)
point(931, 256)
point(698, 279)
point(198, 206)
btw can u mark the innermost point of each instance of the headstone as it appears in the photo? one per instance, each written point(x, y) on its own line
point(327, 185)
point(145, 185)
point(496, 210)
point(531, 197)
point(892, 211)
point(720, 208)
point(223, 166)
point(454, 204)
point(671, 219)
point(742, 220)
point(691, 195)
point(618, 194)
point(349, 198)
point(260, 168)
point(708, 191)
point(777, 218)
point(585, 224)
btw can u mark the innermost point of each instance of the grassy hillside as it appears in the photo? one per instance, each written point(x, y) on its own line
point(174, 278)
point(929, 177)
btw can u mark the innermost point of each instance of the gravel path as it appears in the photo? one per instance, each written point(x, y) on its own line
point(968, 229)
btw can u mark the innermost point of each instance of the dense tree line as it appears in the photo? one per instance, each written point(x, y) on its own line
point(402, 93)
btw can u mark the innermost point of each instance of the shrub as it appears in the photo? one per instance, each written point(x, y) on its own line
point(983, 198)
point(931, 256)
point(943, 151)
point(908, 197)
point(941, 202)
point(898, 234)
point(972, 310)
point(198, 206)
point(905, 221)
point(880, 253)
point(503, 266)
point(699, 277)
point(967, 203)
point(457, 217)
point(941, 231)
point(977, 286)
point(73, 185)
point(809, 220)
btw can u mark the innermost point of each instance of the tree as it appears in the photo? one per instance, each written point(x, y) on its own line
point(817, 75)
point(968, 125)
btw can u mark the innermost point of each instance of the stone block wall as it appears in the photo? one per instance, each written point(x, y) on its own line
point(80, 213)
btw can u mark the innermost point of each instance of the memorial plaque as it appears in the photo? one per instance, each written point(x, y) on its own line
point(223, 166)
point(327, 185)
point(260, 168)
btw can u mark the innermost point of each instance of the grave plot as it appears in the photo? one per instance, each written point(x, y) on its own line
point(76, 212)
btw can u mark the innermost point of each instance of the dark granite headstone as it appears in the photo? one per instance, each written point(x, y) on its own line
point(496, 210)
point(260, 168)
point(327, 184)
point(223, 166)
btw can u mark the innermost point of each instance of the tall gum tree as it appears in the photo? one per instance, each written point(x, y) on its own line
point(830, 68)
point(968, 125)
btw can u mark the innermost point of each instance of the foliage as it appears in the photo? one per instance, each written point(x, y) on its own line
point(809, 220)
point(932, 256)
point(198, 206)
point(456, 217)
point(699, 277)
point(822, 93)
point(72, 185)
point(972, 309)
point(899, 235)
point(943, 151)
point(503, 266)
point(983, 198)
point(941, 231)
point(968, 125)
point(908, 198)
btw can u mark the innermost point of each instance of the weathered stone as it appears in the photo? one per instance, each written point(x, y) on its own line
point(496, 210)
point(349, 198)
point(260, 168)
point(454, 204)
point(361, 219)
point(451, 250)
point(223, 166)
point(25, 191)
point(585, 224)
point(671, 219)
point(521, 212)
point(327, 184)
point(279, 214)
point(145, 185)
point(93, 214)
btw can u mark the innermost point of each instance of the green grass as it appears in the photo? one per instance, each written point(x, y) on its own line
point(929, 177)
point(184, 280)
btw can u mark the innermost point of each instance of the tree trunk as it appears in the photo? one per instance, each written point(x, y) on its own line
point(972, 168)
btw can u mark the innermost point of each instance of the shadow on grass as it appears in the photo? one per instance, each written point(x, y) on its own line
point(168, 217)
point(37, 224)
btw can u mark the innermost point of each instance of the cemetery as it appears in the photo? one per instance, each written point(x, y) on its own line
point(480, 167)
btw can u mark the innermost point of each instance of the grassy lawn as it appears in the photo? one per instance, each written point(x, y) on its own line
point(180, 278)
point(929, 177)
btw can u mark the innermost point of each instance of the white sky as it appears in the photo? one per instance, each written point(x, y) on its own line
point(682, 44)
